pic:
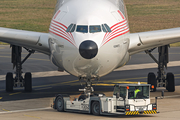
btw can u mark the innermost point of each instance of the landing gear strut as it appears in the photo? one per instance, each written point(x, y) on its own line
point(161, 80)
point(88, 86)
point(18, 80)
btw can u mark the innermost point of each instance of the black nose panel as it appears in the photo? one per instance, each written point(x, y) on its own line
point(88, 49)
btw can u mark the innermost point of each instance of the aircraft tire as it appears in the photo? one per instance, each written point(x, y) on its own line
point(95, 108)
point(170, 82)
point(59, 104)
point(9, 82)
point(152, 80)
point(28, 82)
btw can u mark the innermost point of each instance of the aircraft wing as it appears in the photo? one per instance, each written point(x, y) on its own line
point(148, 40)
point(32, 40)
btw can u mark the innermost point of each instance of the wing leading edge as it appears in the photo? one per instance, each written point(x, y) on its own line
point(147, 40)
point(33, 40)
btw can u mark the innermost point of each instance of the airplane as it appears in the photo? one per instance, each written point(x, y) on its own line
point(89, 39)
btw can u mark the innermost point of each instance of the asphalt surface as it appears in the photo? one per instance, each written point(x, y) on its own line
point(45, 87)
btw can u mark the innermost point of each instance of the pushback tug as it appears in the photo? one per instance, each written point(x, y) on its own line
point(125, 100)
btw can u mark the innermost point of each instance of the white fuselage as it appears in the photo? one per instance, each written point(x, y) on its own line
point(112, 46)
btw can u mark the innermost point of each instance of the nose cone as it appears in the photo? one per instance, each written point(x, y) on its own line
point(88, 49)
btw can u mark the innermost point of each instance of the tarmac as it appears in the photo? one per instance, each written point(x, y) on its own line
point(47, 82)
point(168, 108)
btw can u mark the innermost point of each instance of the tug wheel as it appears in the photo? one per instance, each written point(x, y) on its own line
point(96, 108)
point(59, 103)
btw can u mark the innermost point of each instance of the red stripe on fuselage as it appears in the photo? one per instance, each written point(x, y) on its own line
point(56, 14)
point(118, 23)
point(61, 36)
point(121, 14)
point(114, 30)
point(59, 23)
point(116, 36)
point(60, 31)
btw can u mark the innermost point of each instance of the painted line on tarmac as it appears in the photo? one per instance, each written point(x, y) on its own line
point(15, 93)
point(124, 82)
point(124, 79)
point(41, 74)
point(9, 53)
point(26, 110)
point(32, 116)
point(5, 110)
point(56, 84)
point(171, 96)
point(28, 58)
point(43, 88)
point(156, 53)
point(126, 67)
point(146, 66)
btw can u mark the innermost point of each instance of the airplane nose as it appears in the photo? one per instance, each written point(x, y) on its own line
point(88, 49)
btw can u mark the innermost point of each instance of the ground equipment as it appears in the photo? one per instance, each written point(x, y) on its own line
point(128, 99)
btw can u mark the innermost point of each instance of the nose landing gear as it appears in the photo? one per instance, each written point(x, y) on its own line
point(88, 88)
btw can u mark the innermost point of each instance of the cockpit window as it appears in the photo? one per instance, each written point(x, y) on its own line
point(107, 28)
point(103, 28)
point(94, 28)
point(82, 28)
point(71, 28)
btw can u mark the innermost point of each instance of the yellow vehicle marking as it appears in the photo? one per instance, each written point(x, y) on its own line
point(1, 98)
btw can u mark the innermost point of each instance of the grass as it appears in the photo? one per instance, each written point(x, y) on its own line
point(143, 15)
point(148, 15)
point(32, 15)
